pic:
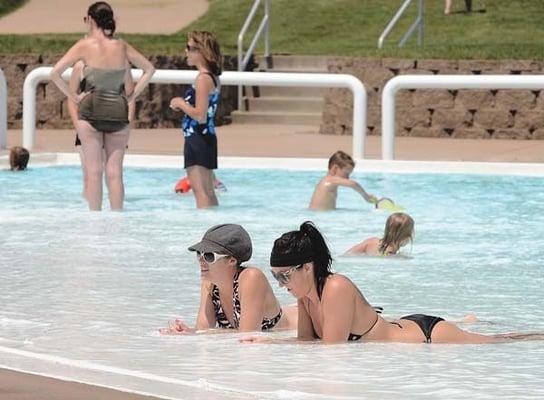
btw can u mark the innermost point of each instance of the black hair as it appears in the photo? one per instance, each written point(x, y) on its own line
point(18, 158)
point(302, 246)
point(102, 13)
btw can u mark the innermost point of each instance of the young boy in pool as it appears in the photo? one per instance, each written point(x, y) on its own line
point(340, 167)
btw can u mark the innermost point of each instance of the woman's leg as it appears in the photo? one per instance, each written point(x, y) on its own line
point(91, 145)
point(115, 144)
point(446, 332)
point(82, 160)
point(447, 9)
point(201, 180)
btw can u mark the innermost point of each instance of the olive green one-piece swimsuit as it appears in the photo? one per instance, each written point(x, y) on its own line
point(106, 107)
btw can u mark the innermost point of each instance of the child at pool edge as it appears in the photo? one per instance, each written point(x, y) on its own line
point(18, 158)
point(340, 167)
point(399, 231)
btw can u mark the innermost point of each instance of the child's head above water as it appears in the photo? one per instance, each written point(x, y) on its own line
point(341, 164)
point(399, 230)
point(18, 158)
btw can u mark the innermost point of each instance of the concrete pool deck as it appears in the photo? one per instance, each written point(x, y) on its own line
point(303, 141)
point(20, 386)
point(142, 16)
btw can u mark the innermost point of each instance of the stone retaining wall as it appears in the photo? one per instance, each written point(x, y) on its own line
point(516, 114)
point(152, 109)
point(497, 114)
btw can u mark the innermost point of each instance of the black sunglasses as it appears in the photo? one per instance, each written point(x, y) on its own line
point(284, 277)
point(188, 47)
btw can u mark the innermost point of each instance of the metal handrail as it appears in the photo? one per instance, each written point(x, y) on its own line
point(418, 24)
point(532, 82)
point(233, 78)
point(263, 27)
point(3, 111)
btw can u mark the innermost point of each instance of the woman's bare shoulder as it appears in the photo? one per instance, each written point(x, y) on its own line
point(338, 282)
point(252, 273)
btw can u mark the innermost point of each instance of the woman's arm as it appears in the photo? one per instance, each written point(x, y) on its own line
point(203, 86)
point(206, 314)
point(137, 59)
point(305, 328)
point(73, 85)
point(70, 58)
point(338, 308)
point(253, 288)
point(129, 89)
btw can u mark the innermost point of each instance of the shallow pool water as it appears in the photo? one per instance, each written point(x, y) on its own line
point(93, 288)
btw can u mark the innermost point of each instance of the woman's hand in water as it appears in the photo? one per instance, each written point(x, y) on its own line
point(256, 339)
point(176, 327)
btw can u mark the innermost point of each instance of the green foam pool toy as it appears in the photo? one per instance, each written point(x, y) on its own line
point(385, 203)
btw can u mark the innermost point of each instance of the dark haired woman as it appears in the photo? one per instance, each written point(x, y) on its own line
point(103, 105)
point(332, 308)
point(200, 106)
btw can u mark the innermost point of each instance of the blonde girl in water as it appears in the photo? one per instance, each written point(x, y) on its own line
point(399, 231)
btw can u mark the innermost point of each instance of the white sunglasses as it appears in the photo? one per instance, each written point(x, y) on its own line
point(210, 257)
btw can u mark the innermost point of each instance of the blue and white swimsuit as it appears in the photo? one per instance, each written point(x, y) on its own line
point(200, 140)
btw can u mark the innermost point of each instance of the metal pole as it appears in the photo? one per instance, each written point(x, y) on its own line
point(232, 78)
point(3, 111)
point(388, 120)
point(531, 82)
point(267, 32)
point(393, 22)
point(421, 16)
point(240, 58)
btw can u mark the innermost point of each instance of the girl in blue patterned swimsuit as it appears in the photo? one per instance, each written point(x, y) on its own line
point(200, 106)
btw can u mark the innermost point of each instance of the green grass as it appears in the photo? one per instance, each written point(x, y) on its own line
point(7, 6)
point(508, 29)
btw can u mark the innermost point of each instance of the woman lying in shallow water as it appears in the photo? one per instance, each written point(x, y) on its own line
point(233, 296)
point(331, 307)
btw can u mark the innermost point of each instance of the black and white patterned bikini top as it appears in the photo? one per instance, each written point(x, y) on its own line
point(221, 317)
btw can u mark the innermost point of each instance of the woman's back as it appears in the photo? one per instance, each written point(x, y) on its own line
point(104, 52)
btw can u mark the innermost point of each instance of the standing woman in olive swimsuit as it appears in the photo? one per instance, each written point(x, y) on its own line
point(77, 84)
point(103, 105)
point(200, 106)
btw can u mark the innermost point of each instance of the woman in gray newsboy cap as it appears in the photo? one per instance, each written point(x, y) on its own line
point(233, 296)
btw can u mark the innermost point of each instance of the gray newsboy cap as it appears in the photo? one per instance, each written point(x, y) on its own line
point(229, 239)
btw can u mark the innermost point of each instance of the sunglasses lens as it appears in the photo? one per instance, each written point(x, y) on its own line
point(281, 278)
point(209, 257)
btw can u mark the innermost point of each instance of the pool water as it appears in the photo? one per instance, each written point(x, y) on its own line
point(82, 294)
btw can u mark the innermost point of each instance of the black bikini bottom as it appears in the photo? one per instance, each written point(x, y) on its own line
point(425, 322)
